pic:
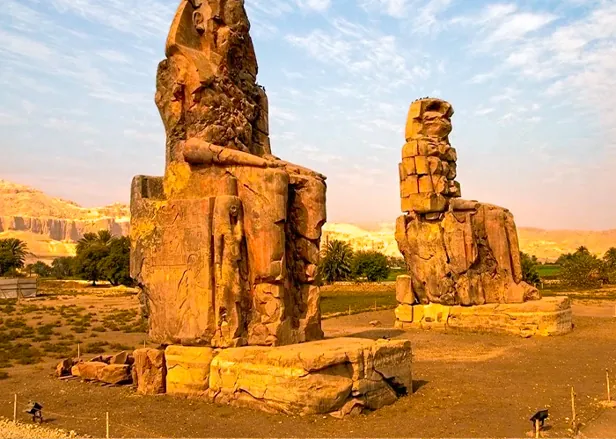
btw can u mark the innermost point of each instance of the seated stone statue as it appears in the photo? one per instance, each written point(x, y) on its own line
point(457, 252)
point(226, 244)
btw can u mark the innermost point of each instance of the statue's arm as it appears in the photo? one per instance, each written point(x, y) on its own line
point(199, 152)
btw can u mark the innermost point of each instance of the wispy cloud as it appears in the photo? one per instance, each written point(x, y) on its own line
point(314, 5)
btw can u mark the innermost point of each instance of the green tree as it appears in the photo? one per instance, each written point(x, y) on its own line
point(12, 255)
point(530, 274)
point(609, 266)
point(41, 269)
point(89, 262)
point(582, 270)
point(372, 265)
point(115, 267)
point(103, 237)
point(336, 262)
point(563, 258)
point(64, 267)
point(101, 256)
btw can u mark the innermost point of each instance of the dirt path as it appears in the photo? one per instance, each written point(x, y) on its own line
point(467, 385)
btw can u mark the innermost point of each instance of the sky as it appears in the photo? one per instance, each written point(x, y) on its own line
point(532, 82)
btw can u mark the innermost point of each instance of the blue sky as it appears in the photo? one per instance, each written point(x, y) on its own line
point(533, 84)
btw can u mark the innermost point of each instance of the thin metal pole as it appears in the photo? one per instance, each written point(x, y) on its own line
point(537, 428)
point(15, 410)
point(607, 379)
point(107, 417)
point(573, 417)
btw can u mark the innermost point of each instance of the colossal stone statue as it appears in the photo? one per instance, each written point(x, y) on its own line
point(225, 245)
point(458, 252)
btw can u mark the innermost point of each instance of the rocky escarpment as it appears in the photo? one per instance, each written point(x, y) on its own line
point(51, 226)
point(60, 229)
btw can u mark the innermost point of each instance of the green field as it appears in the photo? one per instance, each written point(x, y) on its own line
point(394, 273)
point(549, 271)
point(341, 299)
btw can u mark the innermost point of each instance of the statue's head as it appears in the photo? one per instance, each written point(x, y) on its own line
point(429, 117)
point(214, 34)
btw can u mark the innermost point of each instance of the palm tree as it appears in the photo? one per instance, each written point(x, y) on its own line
point(103, 237)
point(610, 258)
point(88, 240)
point(336, 261)
point(12, 254)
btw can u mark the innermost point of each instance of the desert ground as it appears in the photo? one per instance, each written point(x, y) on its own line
point(466, 385)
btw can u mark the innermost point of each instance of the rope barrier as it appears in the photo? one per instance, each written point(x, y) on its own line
point(115, 424)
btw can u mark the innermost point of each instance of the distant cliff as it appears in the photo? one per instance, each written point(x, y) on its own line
point(52, 226)
point(62, 229)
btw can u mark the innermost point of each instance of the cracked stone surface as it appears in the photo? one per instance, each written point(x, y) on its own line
point(188, 370)
point(328, 376)
point(225, 245)
point(458, 252)
point(150, 371)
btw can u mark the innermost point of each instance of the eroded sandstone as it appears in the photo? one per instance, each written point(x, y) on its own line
point(327, 376)
point(458, 252)
point(149, 371)
point(226, 244)
point(546, 317)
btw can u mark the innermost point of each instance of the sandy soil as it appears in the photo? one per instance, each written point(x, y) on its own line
point(467, 385)
point(10, 430)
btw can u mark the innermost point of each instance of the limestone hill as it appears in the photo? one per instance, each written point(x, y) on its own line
point(51, 226)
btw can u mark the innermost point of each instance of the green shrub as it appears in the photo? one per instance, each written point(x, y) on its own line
point(371, 265)
point(97, 347)
point(582, 270)
point(530, 274)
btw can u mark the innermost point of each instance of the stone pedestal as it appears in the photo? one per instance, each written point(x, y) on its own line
point(188, 370)
point(545, 317)
point(336, 376)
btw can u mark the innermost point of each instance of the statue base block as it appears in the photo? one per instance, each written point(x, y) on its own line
point(337, 376)
point(546, 317)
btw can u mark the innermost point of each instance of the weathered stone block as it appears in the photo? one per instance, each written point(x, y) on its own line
point(422, 165)
point(410, 149)
point(428, 147)
point(115, 374)
point(409, 166)
point(546, 317)
point(404, 290)
point(88, 370)
point(409, 186)
point(150, 371)
point(312, 378)
point(188, 370)
point(64, 367)
point(404, 313)
point(424, 203)
point(425, 185)
point(121, 358)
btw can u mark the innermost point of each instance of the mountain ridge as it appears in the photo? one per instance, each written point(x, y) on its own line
point(51, 227)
